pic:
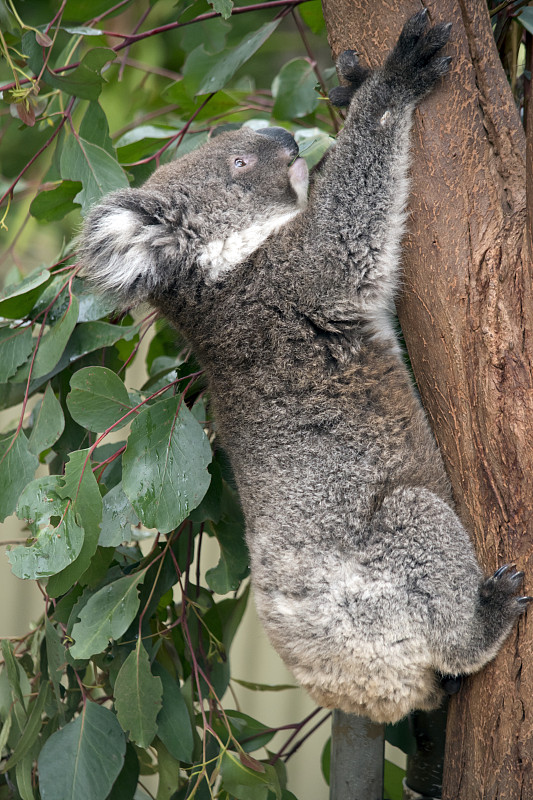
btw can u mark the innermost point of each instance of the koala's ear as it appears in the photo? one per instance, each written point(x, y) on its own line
point(125, 244)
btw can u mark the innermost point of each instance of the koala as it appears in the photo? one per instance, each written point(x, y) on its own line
point(365, 579)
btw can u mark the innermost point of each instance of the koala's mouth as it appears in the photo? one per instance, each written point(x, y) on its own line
point(299, 180)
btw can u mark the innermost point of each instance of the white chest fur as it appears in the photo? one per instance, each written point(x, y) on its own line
point(220, 255)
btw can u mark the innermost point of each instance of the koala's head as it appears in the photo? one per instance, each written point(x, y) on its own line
point(195, 218)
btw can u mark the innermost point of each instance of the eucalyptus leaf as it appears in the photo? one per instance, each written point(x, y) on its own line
point(48, 423)
point(165, 464)
point(173, 721)
point(294, 90)
point(16, 344)
point(86, 80)
point(107, 615)
point(98, 399)
point(233, 565)
point(56, 203)
point(83, 759)
point(138, 696)
point(223, 7)
point(17, 468)
point(118, 516)
point(97, 170)
point(52, 344)
point(230, 61)
point(80, 486)
point(312, 14)
point(244, 783)
point(57, 537)
point(17, 301)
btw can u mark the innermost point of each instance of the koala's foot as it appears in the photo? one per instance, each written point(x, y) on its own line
point(414, 66)
point(497, 595)
point(351, 71)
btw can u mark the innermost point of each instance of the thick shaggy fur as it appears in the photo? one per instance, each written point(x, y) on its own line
point(364, 577)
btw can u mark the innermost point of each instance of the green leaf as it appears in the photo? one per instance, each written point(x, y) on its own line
point(16, 344)
point(17, 301)
point(23, 775)
point(393, 781)
point(57, 658)
point(52, 344)
point(141, 141)
point(165, 464)
point(169, 772)
point(126, 783)
point(173, 721)
point(400, 735)
point(325, 761)
point(117, 518)
point(312, 15)
point(244, 727)
point(526, 19)
point(234, 562)
point(223, 7)
point(313, 144)
point(31, 729)
point(89, 163)
point(81, 486)
point(95, 128)
point(17, 468)
point(107, 615)
point(264, 687)
point(244, 783)
point(83, 759)
point(95, 335)
point(81, 30)
point(230, 61)
point(57, 537)
point(98, 398)
point(294, 90)
point(138, 696)
point(85, 81)
point(55, 203)
point(48, 423)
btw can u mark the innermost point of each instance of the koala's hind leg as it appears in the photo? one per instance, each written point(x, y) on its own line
point(419, 544)
point(469, 647)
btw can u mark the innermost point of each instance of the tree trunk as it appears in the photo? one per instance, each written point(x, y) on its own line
point(466, 312)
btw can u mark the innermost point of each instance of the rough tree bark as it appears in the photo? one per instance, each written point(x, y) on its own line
point(466, 312)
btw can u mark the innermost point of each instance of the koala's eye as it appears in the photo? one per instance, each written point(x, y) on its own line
point(240, 162)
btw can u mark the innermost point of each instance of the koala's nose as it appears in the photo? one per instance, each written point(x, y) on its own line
point(282, 136)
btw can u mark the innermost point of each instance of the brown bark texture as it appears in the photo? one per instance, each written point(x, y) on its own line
point(466, 310)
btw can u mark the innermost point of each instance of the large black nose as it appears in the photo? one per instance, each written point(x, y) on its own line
point(282, 136)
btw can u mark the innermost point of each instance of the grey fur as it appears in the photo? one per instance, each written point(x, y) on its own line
point(365, 580)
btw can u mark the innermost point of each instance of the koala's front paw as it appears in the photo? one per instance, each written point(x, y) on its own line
point(414, 66)
point(351, 71)
point(499, 592)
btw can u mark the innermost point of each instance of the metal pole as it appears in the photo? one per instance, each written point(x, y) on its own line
point(357, 751)
point(423, 780)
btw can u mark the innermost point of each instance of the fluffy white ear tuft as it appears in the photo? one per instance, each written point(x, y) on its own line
point(117, 250)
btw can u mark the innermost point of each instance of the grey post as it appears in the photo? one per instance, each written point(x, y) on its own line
point(357, 751)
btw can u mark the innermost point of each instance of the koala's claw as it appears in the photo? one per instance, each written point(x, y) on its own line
point(524, 601)
point(502, 570)
point(349, 70)
point(414, 67)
